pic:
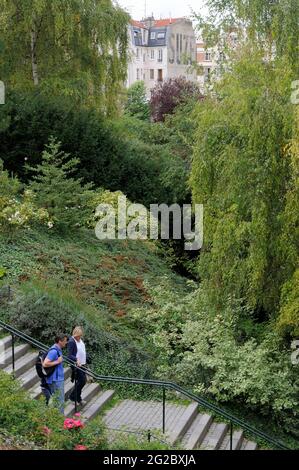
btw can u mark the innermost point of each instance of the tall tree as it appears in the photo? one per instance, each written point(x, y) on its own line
point(76, 47)
point(242, 176)
point(273, 24)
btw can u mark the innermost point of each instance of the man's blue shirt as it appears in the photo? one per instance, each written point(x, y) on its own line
point(53, 355)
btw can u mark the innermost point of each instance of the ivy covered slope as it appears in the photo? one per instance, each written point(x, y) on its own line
point(58, 280)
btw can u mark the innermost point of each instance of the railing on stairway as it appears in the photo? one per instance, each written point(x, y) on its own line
point(233, 420)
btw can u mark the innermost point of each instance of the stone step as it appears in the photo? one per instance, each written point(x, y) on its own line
point(29, 379)
point(238, 437)
point(91, 410)
point(5, 343)
point(88, 393)
point(197, 431)
point(183, 423)
point(23, 364)
point(248, 445)
point(6, 355)
point(143, 415)
point(36, 392)
point(214, 437)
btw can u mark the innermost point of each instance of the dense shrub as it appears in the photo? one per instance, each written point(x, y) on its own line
point(166, 96)
point(44, 426)
point(43, 312)
point(18, 208)
point(143, 172)
point(206, 350)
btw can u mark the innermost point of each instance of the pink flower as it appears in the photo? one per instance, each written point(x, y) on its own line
point(78, 424)
point(72, 423)
point(80, 447)
point(77, 414)
point(46, 431)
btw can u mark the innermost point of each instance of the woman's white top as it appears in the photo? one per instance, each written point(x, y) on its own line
point(81, 352)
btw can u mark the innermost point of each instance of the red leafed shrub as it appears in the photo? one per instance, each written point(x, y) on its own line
point(166, 96)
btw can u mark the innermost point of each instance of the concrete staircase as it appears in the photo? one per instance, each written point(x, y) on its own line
point(186, 427)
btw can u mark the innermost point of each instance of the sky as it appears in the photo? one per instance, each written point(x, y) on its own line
point(161, 8)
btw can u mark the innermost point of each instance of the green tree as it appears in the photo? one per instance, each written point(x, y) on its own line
point(272, 24)
point(64, 197)
point(137, 104)
point(241, 175)
point(74, 47)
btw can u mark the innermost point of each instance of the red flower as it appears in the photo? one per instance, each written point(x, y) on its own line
point(72, 423)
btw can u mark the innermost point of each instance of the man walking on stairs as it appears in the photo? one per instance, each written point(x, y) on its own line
point(54, 359)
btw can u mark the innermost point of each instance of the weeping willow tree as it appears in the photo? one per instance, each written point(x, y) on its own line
point(71, 47)
point(289, 307)
point(245, 167)
point(272, 24)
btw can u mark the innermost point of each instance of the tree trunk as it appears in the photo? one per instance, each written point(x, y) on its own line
point(34, 57)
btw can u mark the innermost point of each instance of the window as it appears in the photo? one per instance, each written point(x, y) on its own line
point(221, 56)
point(153, 35)
point(152, 54)
point(160, 75)
point(138, 74)
point(135, 34)
point(152, 74)
point(161, 36)
point(207, 75)
point(143, 57)
point(208, 56)
point(160, 55)
point(137, 53)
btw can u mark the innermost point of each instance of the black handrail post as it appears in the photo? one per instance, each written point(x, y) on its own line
point(76, 386)
point(13, 353)
point(149, 435)
point(231, 435)
point(164, 402)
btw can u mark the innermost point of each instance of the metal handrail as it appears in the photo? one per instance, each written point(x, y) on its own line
point(158, 383)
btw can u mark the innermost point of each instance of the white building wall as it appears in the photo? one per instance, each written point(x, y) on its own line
point(150, 69)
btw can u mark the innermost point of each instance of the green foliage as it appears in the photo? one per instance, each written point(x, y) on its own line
point(137, 104)
point(206, 351)
point(17, 210)
point(127, 441)
point(44, 426)
point(64, 198)
point(42, 312)
point(108, 157)
point(75, 48)
point(288, 321)
point(271, 25)
point(242, 177)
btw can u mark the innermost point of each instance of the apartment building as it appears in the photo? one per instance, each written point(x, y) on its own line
point(212, 60)
point(161, 49)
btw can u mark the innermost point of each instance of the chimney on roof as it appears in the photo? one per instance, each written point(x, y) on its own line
point(149, 22)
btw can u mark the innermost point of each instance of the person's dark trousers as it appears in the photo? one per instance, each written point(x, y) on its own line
point(81, 381)
point(45, 391)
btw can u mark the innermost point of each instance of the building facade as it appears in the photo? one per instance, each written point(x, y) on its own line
point(211, 61)
point(161, 49)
